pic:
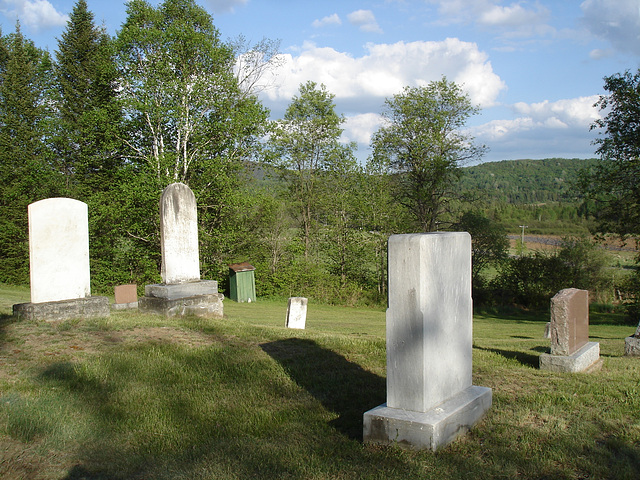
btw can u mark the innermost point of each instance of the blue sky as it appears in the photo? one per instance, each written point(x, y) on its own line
point(534, 67)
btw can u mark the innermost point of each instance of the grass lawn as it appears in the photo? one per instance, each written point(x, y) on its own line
point(137, 396)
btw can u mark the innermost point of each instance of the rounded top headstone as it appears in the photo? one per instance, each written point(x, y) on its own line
point(179, 235)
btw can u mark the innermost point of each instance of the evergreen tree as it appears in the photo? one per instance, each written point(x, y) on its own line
point(25, 169)
point(88, 132)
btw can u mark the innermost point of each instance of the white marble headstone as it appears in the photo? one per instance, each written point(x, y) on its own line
point(59, 250)
point(179, 235)
point(297, 312)
point(429, 319)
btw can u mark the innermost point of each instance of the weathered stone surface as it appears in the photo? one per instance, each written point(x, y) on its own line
point(209, 306)
point(586, 359)
point(296, 313)
point(569, 321)
point(427, 430)
point(126, 293)
point(181, 290)
point(632, 346)
point(430, 398)
point(59, 250)
point(179, 235)
point(88, 307)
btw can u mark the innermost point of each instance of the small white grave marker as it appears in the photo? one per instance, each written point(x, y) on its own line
point(297, 312)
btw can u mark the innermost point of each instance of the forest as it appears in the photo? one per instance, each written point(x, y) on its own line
point(113, 121)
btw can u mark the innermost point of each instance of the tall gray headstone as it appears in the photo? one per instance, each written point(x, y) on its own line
point(59, 250)
point(430, 396)
point(59, 263)
point(179, 235)
point(182, 291)
point(571, 350)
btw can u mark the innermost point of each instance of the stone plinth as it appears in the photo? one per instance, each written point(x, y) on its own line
point(585, 359)
point(430, 396)
point(89, 307)
point(201, 306)
point(194, 298)
point(571, 350)
point(296, 313)
point(431, 429)
point(632, 346)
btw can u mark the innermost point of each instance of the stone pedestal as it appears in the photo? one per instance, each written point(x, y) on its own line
point(194, 298)
point(632, 346)
point(585, 359)
point(430, 397)
point(89, 307)
point(431, 429)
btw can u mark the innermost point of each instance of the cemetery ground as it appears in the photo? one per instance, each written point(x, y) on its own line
point(140, 396)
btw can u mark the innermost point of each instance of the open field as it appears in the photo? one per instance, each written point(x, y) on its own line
point(136, 396)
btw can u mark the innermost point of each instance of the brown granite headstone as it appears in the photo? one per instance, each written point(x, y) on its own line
point(126, 293)
point(569, 321)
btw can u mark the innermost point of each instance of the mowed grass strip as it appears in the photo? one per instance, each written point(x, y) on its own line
point(139, 396)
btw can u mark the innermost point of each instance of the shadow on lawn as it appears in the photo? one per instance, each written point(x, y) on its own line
point(340, 385)
point(525, 359)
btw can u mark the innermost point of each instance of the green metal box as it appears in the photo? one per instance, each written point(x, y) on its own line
point(242, 282)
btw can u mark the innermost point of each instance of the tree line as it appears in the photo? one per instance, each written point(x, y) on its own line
point(112, 121)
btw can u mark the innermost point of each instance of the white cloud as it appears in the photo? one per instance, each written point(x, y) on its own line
point(225, 6)
point(518, 19)
point(366, 81)
point(327, 21)
point(543, 129)
point(365, 20)
point(359, 128)
point(35, 14)
point(617, 22)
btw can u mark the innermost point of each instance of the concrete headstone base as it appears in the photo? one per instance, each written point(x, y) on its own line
point(88, 307)
point(433, 429)
point(586, 359)
point(124, 306)
point(632, 346)
point(199, 298)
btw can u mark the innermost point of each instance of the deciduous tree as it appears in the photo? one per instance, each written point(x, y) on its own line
point(423, 145)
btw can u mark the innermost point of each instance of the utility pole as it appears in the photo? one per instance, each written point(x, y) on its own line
point(522, 237)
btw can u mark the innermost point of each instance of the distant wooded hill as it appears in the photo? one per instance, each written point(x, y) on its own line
point(526, 181)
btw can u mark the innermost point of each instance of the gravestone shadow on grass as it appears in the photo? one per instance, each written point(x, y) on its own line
point(341, 386)
point(524, 358)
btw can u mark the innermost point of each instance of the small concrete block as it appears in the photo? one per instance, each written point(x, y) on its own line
point(632, 346)
point(89, 307)
point(209, 306)
point(585, 359)
point(181, 290)
point(296, 313)
point(124, 306)
point(126, 293)
point(432, 429)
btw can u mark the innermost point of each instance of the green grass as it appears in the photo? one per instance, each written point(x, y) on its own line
point(136, 396)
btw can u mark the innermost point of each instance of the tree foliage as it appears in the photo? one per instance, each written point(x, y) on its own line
point(423, 145)
point(305, 145)
point(88, 130)
point(614, 184)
